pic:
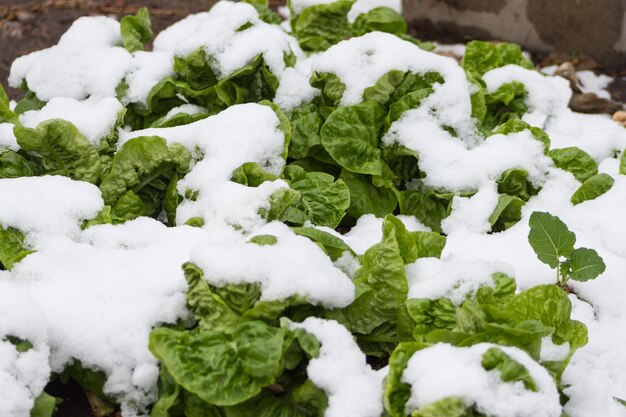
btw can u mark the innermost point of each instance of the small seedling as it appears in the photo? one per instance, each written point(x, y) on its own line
point(554, 243)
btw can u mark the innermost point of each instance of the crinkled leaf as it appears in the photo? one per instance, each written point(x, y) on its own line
point(397, 393)
point(366, 198)
point(306, 123)
point(15, 165)
point(322, 25)
point(481, 57)
point(45, 405)
point(62, 148)
point(6, 114)
point(514, 182)
point(220, 368)
point(550, 238)
point(323, 201)
point(427, 205)
point(518, 125)
point(252, 175)
point(350, 135)
point(510, 370)
point(380, 19)
point(145, 165)
point(592, 188)
point(446, 407)
point(12, 247)
point(136, 30)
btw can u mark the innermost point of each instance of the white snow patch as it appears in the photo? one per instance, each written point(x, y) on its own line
point(353, 387)
point(443, 370)
point(94, 118)
point(293, 266)
point(7, 137)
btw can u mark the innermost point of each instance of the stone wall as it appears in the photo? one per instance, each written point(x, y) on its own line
point(596, 28)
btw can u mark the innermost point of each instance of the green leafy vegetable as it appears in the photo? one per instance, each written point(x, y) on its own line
point(136, 30)
point(592, 188)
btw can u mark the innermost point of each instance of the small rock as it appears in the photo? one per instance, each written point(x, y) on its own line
point(24, 16)
point(567, 71)
point(620, 117)
point(591, 103)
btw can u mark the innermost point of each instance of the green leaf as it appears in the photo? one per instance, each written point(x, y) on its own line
point(220, 368)
point(29, 102)
point(332, 88)
point(397, 393)
point(585, 264)
point(481, 57)
point(280, 202)
point(427, 205)
point(366, 198)
point(265, 13)
point(504, 104)
point(592, 188)
point(518, 125)
point(622, 164)
point(145, 165)
point(510, 370)
point(331, 244)
point(6, 114)
point(252, 175)
point(12, 247)
point(127, 207)
point(576, 161)
point(446, 407)
point(323, 201)
point(514, 182)
point(320, 26)
point(136, 30)
point(350, 136)
point(304, 400)
point(14, 165)
point(306, 123)
point(550, 238)
point(63, 149)
point(508, 212)
point(429, 244)
point(381, 284)
point(380, 19)
point(45, 405)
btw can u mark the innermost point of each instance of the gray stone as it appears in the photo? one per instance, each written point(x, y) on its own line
point(596, 28)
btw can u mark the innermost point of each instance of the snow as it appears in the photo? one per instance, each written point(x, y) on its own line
point(22, 375)
point(451, 277)
point(297, 6)
point(545, 95)
point(352, 386)
point(368, 231)
point(441, 371)
point(94, 118)
point(7, 138)
point(592, 83)
point(186, 109)
point(225, 144)
point(294, 266)
point(145, 71)
point(50, 205)
point(364, 6)
point(86, 62)
point(453, 165)
point(217, 32)
point(359, 62)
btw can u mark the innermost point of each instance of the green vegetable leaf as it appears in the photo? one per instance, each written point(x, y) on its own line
point(14, 165)
point(144, 165)
point(6, 114)
point(320, 26)
point(331, 244)
point(446, 407)
point(63, 149)
point(514, 182)
point(350, 135)
point(592, 188)
point(136, 30)
point(45, 405)
point(323, 200)
point(397, 393)
point(380, 19)
point(510, 370)
point(366, 198)
point(220, 368)
point(550, 238)
point(576, 161)
point(508, 211)
point(481, 57)
point(12, 247)
point(585, 264)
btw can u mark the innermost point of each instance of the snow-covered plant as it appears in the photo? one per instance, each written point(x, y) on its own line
point(306, 215)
